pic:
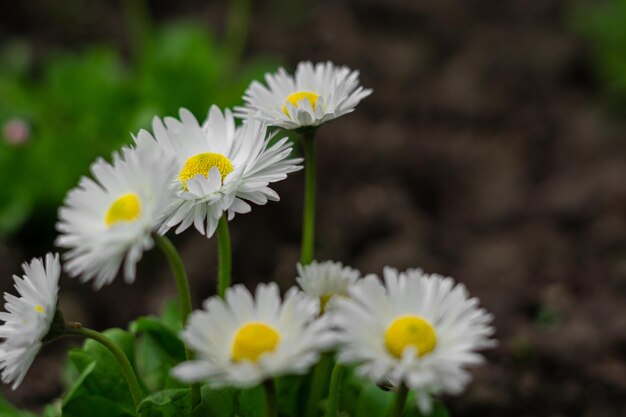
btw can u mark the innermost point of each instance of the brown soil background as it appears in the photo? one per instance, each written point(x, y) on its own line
point(484, 154)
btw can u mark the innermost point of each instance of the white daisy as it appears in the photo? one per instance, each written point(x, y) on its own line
point(324, 280)
point(109, 220)
point(28, 317)
point(315, 95)
point(219, 167)
point(241, 341)
point(418, 330)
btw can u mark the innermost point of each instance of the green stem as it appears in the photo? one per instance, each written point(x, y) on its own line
point(225, 258)
point(399, 401)
point(122, 360)
point(271, 400)
point(180, 275)
point(335, 391)
point(308, 214)
point(318, 384)
point(184, 296)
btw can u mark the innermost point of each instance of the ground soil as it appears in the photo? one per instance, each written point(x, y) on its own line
point(485, 153)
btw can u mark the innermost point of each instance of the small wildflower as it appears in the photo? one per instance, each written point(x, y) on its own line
point(325, 280)
point(28, 317)
point(315, 95)
point(241, 341)
point(418, 330)
point(220, 168)
point(109, 220)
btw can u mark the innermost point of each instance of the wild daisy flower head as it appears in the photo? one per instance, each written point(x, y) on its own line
point(241, 341)
point(219, 168)
point(28, 317)
point(418, 330)
point(108, 220)
point(325, 280)
point(314, 95)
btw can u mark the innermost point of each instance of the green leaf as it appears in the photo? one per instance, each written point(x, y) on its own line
point(217, 402)
point(252, 403)
point(170, 316)
point(167, 403)
point(94, 406)
point(373, 402)
point(100, 376)
point(163, 335)
point(159, 350)
point(292, 394)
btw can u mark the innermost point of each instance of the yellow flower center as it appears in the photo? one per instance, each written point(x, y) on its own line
point(202, 163)
point(39, 309)
point(299, 95)
point(127, 208)
point(410, 331)
point(253, 340)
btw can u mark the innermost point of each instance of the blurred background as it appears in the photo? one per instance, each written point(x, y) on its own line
point(493, 150)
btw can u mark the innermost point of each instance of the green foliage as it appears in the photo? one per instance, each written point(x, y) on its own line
point(167, 403)
point(217, 402)
point(99, 377)
point(81, 106)
point(361, 398)
point(602, 24)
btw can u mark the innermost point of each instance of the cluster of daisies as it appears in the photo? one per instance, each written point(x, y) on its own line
point(408, 330)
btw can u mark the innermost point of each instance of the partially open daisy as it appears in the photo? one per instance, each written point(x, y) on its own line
point(418, 331)
point(28, 317)
point(315, 95)
point(325, 280)
point(108, 220)
point(241, 341)
point(219, 167)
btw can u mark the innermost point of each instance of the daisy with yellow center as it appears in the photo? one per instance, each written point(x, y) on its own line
point(107, 221)
point(326, 281)
point(315, 94)
point(220, 168)
point(416, 331)
point(242, 340)
point(28, 317)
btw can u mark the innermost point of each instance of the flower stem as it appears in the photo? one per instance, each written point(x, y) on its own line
point(225, 257)
point(180, 275)
point(120, 357)
point(184, 296)
point(318, 383)
point(308, 214)
point(335, 391)
point(271, 400)
point(399, 401)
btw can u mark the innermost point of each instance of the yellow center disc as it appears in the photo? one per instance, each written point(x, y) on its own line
point(410, 331)
point(253, 340)
point(127, 208)
point(202, 163)
point(296, 97)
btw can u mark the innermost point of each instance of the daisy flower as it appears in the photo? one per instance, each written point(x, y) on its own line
point(219, 167)
point(108, 220)
point(315, 95)
point(241, 341)
point(324, 280)
point(28, 317)
point(418, 330)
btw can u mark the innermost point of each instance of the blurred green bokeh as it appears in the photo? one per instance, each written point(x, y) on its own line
point(603, 25)
point(60, 114)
